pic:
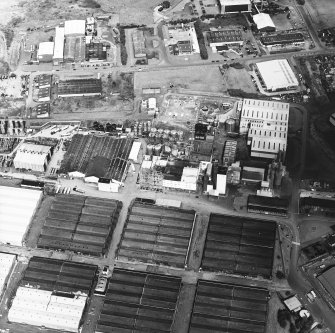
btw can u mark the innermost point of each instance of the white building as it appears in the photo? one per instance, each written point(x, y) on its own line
point(17, 207)
point(32, 157)
point(135, 150)
point(276, 75)
point(45, 51)
point(264, 22)
point(266, 123)
point(7, 262)
point(235, 6)
point(58, 56)
point(332, 119)
point(74, 28)
point(41, 308)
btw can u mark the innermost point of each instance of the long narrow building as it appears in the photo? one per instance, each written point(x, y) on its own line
point(58, 56)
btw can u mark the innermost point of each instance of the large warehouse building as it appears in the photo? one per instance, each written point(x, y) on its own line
point(327, 279)
point(276, 75)
point(17, 206)
point(58, 55)
point(264, 22)
point(32, 157)
point(235, 6)
point(266, 124)
point(45, 52)
point(7, 262)
point(74, 28)
point(218, 39)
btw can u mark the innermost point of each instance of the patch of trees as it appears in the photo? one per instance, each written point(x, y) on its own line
point(301, 2)
point(166, 4)
point(123, 49)
point(296, 324)
point(201, 40)
point(280, 275)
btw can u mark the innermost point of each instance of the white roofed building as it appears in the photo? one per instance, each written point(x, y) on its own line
point(7, 262)
point(32, 157)
point(276, 75)
point(75, 28)
point(45, 51)
point(235, 6)
point(264, 22)
point(17, 207)
point(266, 124)
point(58, 56)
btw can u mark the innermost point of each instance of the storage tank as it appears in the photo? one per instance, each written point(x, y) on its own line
point(150, 149)
point(158, 149)
point(180, 135)
point(167, 131)
point(153, 129)
point(160, 130)
point(230, 125)
point(167, 149)
point(173, 133)
point(174, 152)
point(165, 137)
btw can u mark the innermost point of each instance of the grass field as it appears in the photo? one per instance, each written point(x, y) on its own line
point(240, 79)
point(208, 79)
point(322, 12)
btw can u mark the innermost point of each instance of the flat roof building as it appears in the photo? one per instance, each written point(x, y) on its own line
point(139, 44)
point(264, 22)
point(266, 124)
point(74, 28)
point(267, 205)
point(235, 6)
point(58, 55)
point(327, 279)
point(282, 39)
point(276, 75)
point(224, 37)
point(45, 51)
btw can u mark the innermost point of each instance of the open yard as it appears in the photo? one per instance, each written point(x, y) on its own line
point(322, 12)
point(240, 79)
point(208, 79)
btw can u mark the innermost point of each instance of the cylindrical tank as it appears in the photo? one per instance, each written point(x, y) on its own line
point(150, 149)
point(180, 135)
point(172, 139)
point(153, 129)
point(174, 133)
point(165, 137)
point(160, 130)
point(167, 131)
point(158, 149)
point(174, 152)
point(167, 149)
point(230, 125)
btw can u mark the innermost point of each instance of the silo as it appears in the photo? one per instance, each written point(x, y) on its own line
point(230, 125)
point(153, 129)
point(167, 131)
point(180, 135)
point(150, 149)
point(158, 149)
point(167, 149)
point(173, 133)
point(160, 130)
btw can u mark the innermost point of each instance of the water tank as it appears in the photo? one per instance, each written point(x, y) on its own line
point(158, 149)
point(230, 125)
point(153, 129)
point(150, 149)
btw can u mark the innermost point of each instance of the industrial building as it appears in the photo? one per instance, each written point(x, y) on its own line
point(239, 245)
point(74, 28)
point(79, 87)
point(266, 124)
point(139, 44)
point(224, 307)
point(157, 235)
point(139, 302)
point(17, 207)
point(276, 75)
point(327, 279)
point(7, 263)
point(33, 157)
point(58, 56)
point(106, 156)
point(53, 293)
point(45, 52)
point(217, 39)
point(281, 40)
point(264, 22)
point(235, 6)
point(74, 49)
point(318, 203)
point(267, 205)
point(80, 224)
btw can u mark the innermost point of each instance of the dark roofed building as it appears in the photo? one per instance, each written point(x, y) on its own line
point(321, 206)
point(185, 47)
point(327, 279)
point(267, 205)
point(224, 37)
point(98, 166)
point(282, 38)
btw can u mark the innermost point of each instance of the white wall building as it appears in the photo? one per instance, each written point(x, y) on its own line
point(41, 308)
point(7, 262)
point(135, 150)
point(235, 6)
point(45, 51)
point(264, 22)
point(266, 123)
point(17, 207)
point(277, 75)
point(74, 28)
point(32, 157)
point(58, 56)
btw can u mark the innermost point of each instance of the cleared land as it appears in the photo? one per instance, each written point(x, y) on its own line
point(138, 301)
point(322, 12)
point(208, 79)
point(240, 79)
point(99, 156)
point(239, 245)
point(80, 224)
point(155, 234)
point(220, 307)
